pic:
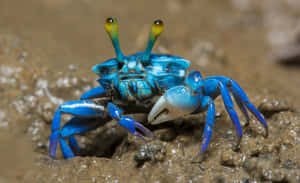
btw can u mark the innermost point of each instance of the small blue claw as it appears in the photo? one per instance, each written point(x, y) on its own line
point(128, 123)
point(176, 102)
point(131, 125)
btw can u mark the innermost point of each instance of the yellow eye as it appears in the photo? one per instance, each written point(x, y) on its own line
point(111, 26)
point(157, 27)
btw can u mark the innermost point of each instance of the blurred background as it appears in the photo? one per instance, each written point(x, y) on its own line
point(255, 42)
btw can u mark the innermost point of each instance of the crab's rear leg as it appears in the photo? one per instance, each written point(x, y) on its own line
point(242, 100)
point(80, 109)
point(242, 97)
point(232, 113)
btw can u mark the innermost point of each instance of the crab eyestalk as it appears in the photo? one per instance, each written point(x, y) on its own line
point(111, 27)
point(156, 30)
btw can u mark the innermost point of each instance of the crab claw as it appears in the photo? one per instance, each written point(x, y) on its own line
point(135, 128)
point(176, 102)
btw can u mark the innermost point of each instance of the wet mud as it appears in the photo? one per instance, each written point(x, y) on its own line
point(43, 66)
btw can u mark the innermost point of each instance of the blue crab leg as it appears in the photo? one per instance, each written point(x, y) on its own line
point(93, 93)
point(83, 109)
point(232, 113)
point(128, 123)
point(241, 107)
point(209, 123)
point(79, 125)
point(226, 80)
point(74, 145)
point(74, 126)
point(243, 100)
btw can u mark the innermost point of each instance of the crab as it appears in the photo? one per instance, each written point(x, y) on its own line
point(158, 84)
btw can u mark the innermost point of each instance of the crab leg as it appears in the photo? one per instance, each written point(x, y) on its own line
point(93, 93)
point(81, 109)
point(209, 123)
point(245, 101)
point(242, 100)
point(230, 109)
point(74, 145)
point(241, 106)
point(74, 126)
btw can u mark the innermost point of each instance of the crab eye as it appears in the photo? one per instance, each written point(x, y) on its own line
point(111, 26)
point(157, 27)
point(158, 22)
point(109, 20)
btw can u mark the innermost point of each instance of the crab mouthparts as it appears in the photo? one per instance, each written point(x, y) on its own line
point(132, 76)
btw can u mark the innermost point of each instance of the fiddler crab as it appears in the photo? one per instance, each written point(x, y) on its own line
point(145, 82)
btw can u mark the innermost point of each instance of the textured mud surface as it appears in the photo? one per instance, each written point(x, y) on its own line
point(46, 59)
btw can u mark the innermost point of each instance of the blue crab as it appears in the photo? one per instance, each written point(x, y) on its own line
point(145, 82)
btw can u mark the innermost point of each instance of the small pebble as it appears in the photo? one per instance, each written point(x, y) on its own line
point(154, 151)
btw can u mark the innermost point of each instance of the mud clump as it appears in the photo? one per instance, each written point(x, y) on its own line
point(270, 107)
point(154, 151)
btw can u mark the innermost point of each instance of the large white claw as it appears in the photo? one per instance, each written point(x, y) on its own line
point(175, 103)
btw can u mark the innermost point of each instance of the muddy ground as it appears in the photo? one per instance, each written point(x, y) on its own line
point(47, 49)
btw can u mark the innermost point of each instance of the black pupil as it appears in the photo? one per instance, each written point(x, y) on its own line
point(110, 20)
point(158, 22)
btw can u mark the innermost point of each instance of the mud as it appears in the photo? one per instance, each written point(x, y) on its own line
point(48, 47)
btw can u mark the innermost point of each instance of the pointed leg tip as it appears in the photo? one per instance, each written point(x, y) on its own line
point(246, 124)
point(237, 147)
point(198, 158)
point(140, 136)
point(144, 130)
point(266, 132)
point(51, 155)
point(70, 156)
